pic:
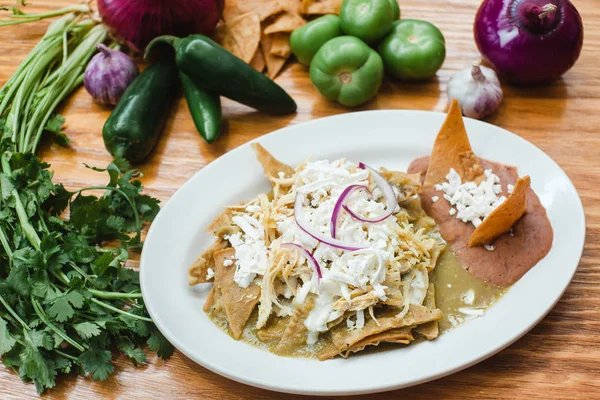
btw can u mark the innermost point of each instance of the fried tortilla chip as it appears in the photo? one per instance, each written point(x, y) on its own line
point(320, 7)
point(209, 300)
point(286, 22)
point(258, 61)
point(452, 150)
point(417, 314)
point(431, 329)
point(238, 302)
point(199, 269)
point(270, 164)
point(407, 184)
point(241, 35)
point(504, 217)
point(398, 336)
point(274, 64)
point(280, 45)
point(296, 333)
point(264, 8)
point(223, 224)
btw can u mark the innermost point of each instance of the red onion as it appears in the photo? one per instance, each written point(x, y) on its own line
point(307, 254)
point(338, 206)
point(388, 192)
point(529, 41)
point(314, 233)
point(137, 22)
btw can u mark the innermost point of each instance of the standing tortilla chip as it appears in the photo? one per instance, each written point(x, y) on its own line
point(452, 150)
point(280, 45)
point(258, 61)
point(504, 217)
point(274, 63)
point(321, 7)
point(286, 22)
point(240, 36)
point(264, 8)
point(238, 302)
point(270, 164)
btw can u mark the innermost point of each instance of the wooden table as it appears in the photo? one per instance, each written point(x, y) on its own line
point(559, 358)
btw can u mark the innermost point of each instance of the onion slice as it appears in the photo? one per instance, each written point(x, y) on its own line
point(310, 259)
point(314, 233)
point(388, 192)
point(340, 202)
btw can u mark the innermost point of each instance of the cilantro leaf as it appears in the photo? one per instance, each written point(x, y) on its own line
point(87, 329)
point(35, 367)
point(7, 342)
point(97, 363)
point(136, 354)
point(160, 345)
point(61, 310)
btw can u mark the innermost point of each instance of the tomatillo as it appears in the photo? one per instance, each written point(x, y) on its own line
point(395, 9)
point(369, 20)
point(347, 70)
point(308, 39)
point(414, 50)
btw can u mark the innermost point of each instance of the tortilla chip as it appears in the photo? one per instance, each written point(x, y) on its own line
point(258, 61)
point(280, 45)
point(452, 150)
point(270, 164)
point(399, 336)
point(238, 302)
point(209, 300)
point(274, 64)
point(296, 333)
point(264, 8)
point(223, 225)
point(199, 269)
point(241, 35)
point(431, 329)
point(407, 184)
point(320, 7)
point(504, 217)
point(417, 314)
point(286, 22)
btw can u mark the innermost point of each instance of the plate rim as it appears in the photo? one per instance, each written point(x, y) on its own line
point(580, 211)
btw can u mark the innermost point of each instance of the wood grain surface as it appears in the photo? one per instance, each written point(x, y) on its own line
point(559, 358)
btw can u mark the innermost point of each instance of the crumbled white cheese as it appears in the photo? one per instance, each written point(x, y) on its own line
point(350, 324)
point(452, 211)
point(472, 312)
point(210, 273)
point(250, 250)
point(472, 203)
point(281, 175)
point(360, 319)
point(489, 247)
point(227, 263)
point(468, 297)
point(510, 188)
point(435, 198)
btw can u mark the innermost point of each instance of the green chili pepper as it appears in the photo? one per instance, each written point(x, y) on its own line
point(308, 39)
point(368, 20)
point(216, 70)
point(345, 69)
point(139, 118)
point(205, 108)
point(413, 50)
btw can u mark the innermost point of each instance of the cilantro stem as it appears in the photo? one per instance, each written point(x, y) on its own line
point(109, 307)
point(38, 310)
point(129, 200)
point(70, 357)
point(13, 313)
point(25, 18)
point(115, 295)
point(5, 244)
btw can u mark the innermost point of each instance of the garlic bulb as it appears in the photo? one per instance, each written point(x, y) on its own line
point(477, 90)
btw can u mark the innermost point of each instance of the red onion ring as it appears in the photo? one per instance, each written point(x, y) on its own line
point(307, 254)
point(315, 234)
point(388, 192)
point(340, 202)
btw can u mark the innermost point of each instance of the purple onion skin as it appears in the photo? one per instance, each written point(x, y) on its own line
point(136, 22)
point(108, 74)
point(540, 51)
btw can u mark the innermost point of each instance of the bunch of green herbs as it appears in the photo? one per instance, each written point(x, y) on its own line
point(67, 302)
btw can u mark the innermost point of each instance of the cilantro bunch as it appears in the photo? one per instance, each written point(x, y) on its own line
point(66, 303)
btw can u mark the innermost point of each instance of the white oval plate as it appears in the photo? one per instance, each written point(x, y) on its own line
point(388, 139)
